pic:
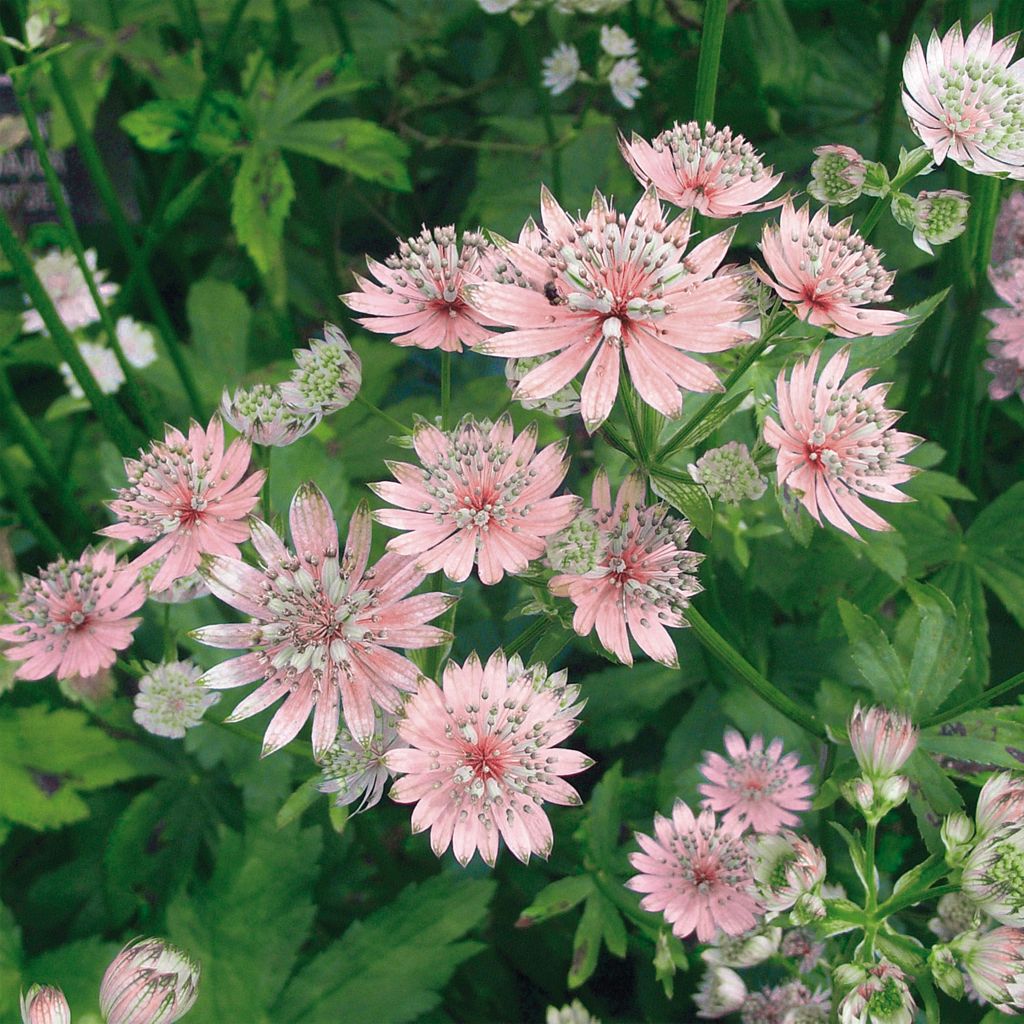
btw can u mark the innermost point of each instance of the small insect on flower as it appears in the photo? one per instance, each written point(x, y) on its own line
point(44, 1004)
point(483, 758)
point(149, 982)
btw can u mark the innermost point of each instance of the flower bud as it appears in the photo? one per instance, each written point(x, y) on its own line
point(149, 982)
point(876, 179)
point(746, 950)
point(993, 877)
point(861, 794)
point(1000, 803)
point(939, 217)
point(838, 175)
point(945, 972)
point(261, 415)
point(722, 991)
point(904, 210)
point(882, 740)
point(44, 1004)
point(327, 377)
point(810, 907)
point(893, 791)
point(957, 832)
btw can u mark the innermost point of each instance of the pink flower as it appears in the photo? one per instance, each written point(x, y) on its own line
point(827, 272)
point(321, 626)
point(483, 757)
point(187, 495)
point(149, 982)
point(44, 1004)
point(1007, 334)
point(73, 617)
point(880, 996)
point(756, 788)
point(64, 282)
point(881, 739)
point(697, 873)
point(1008, 240)
point(483, 496)
point(616, 288)
point(836, 442)
point(642, 579)
point(785, 867)
point(421, 295)
point(1000, 804)
point(994, 961)
point(706, 169)
point(964, 99)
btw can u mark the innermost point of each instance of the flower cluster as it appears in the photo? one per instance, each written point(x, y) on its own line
point(617, 66)
point(170, 700)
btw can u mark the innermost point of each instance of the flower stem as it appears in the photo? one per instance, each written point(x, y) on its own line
point(870, 889)
point(921, 160)
point(446, 391)
point(367, 404)
point(534, 631)
point(18, 497)
point(544, 102)
point(711, 35)
point(981, 700)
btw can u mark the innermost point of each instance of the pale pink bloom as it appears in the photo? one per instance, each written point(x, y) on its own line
point(756, 788)
point(643, 578)
point(965, 100)
point(261, 415)
point(616, 288)
point(560, 69)
point(880, 997)
point(836, 442)
point(357, 770)
point(722, 991)
point(171, 700)
point(72, 618)
point(1007, 334)
point(149, 982)
point(790, 1003)
point(804, 946)
point(44, 1004)
point(1007, 373)
point(186, 494)
point(785, 867)
point(707, 169)
point(828, 272)
point(137, 342)
point(1000, 804)
point(697, 873)
point(102, 364)
point(626, 82)
point(838, 175)
point(321, 625)
point(746, 950)
point(1008, 239)
point(993, 876)
point(881, 739)
point(327, 375)
point(994, 961)
point(62, 278)
point(421, 296)
point(483, 497)
point(483, 758)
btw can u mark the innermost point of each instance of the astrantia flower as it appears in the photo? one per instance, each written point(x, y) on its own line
point(573, 1013)
point(837, 175)
point(321, 626)
point(44, 1004)
point(171, 700)
point(617, 42)
point(710, 170)
point(756, 788)
point(483, 497)
point(72, 618)
point(881, 739)
point(697, 873)
point(828, 272)
point(880, 997)
point(579, 548)
point(1008, 239)
point(60, 275)
point(136, 341)
point(187, 495)
point(149, 982)
point(729, 474)
point(746, 950)
point(722, 991)
point(261, 415)
point(626, 82)
point(327, 376)
point(643, 580)
point(561, 68)
point(1007, 369)
point(617, 288)
point(554, 683)
point(804, 946)
point(836, 442)
point(965, 100)
point(994, 961)
point(419, 297)
point(1007, 334)
point(789, 1003)
point(564, 402)
point(785, 867)
point(483, 759)
point(1000, 804)
point(357, 770)
point(955, 914)
point(939, 217)
point(993, 877)
point(103, 365)
point(181, 591)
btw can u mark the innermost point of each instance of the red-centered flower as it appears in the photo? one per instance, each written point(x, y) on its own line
point(616, 288)
point(419, 296)
point(696, 871)
point(188, 495)
point(72, 618)
point(483, 758)
point(641, 578)
point(322, 626)
point(828, 272)
point(836, 443)
point(482, 496)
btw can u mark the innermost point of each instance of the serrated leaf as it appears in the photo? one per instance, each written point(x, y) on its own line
point(275, 105)
point(873, 655)
point(932, 796)
point(586, 944)
point(163, 125)
point(995, 542)
point(979, 741)
point(690, 499)
point(856, 850)
point(962, 584)
point(557, 898)
point(941, 649)
point(390, 967)
point(260, 200)
point(613, 929)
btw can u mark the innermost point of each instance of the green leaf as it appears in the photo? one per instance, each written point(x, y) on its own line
point(76, 969)
point(995, 543)
point(300, 801)
point(256, 910)
point(962, 584)
point(714, 419)
point(979, 741)
point(601, 824)
point(613, 930)
point(390, 967)
point(163, 125)
point(10, 964)
point(219, 316)
point(689, 498)
point(260, 200)
point(941, 648)
point(65, 405)
point(557, 898)
point(586, 944)
point(932, 796)
point(275, 105)
point(855, 848)
point(873, 654)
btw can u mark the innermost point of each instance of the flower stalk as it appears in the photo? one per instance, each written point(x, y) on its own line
point(711, 35)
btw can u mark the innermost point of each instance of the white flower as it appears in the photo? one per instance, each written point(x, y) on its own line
point(102, 364)
point(561, 68)
point(616, 42)
point(722, 991)
point(626, 82)
point(61, 277)
point(574, 1013)
point(497, 6)
point(170, 701)
point(136, 341)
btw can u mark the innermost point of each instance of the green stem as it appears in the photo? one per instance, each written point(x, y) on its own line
point(728, 655)
point(630, 403)
point(711, 35)
point(909, 899)
point(446, 391)
point(534, 631)
point(397, 424)
point(985, 699)
point(870, 889)
point(31, 519)
point(338, 24)
point(913, 169)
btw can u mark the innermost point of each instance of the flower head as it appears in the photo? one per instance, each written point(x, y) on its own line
point(327, 376)
point(579, 548)
point(965, 100)
point(44, 1004)
point(136, 341)
point(955, 914)
point(757, 787)
point(1008, 239)
point(626, 82)
point(171, 700)
point(838, 175)
point(644, 577)
point(722, 991)
point(746, 950)
point(828, 272)
point(483, 759)
point(617, 42)
point(62, 278)
point(419, 296)
point(149, 982)
point(561, 68)
point(573, 1013)
point(322, 626)
point(261, 415)
point(187, 495)
point(836, 442)
point(696, 871)
point(881, 996)
point(1007, 334)
point(617, 288)
point(72, 618)
point(804, 946)
point(716, 173)
point(357, 770)
point(729, 474)
point(181, 591)
point(785, 867)
point(994, 961)
point(939, 217)
point(483, 496)
point(881, 739)
point(1000, 804)
point(102, 364)
point(993, 877)
point(564, 402)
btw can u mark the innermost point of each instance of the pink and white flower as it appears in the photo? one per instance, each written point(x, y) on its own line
point(358, 770)
point(881, 739)
point(828, 273)
point(482, 496)
point(483, 758)
point(616, 288)
point(44, 1004)
point(785, 867)
point(186, 496)
point(64, 282)
point(1007, 334)
point(994, 962)
point(880, 996)
point(73, 617)
point(322, 627)
point(1000, 804)
point(722, 991)
point(149, 982)
point(1008, 239)
point(836, 442)
point(643, 578)
point(965, 100)
point(103, 366)
point(757, 787)
point(327, 375)
point(696, 871)
point(707, 169)
point(993, 876)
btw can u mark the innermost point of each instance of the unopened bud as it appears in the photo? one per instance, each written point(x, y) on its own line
point(847, 975)
point(861, 794)
point(945, 972)
point(149, 982)
point(838, 175)
point(44, 1004)
point(904, 210)
point(957, 833)
point(893, 791)
point(808, 908)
